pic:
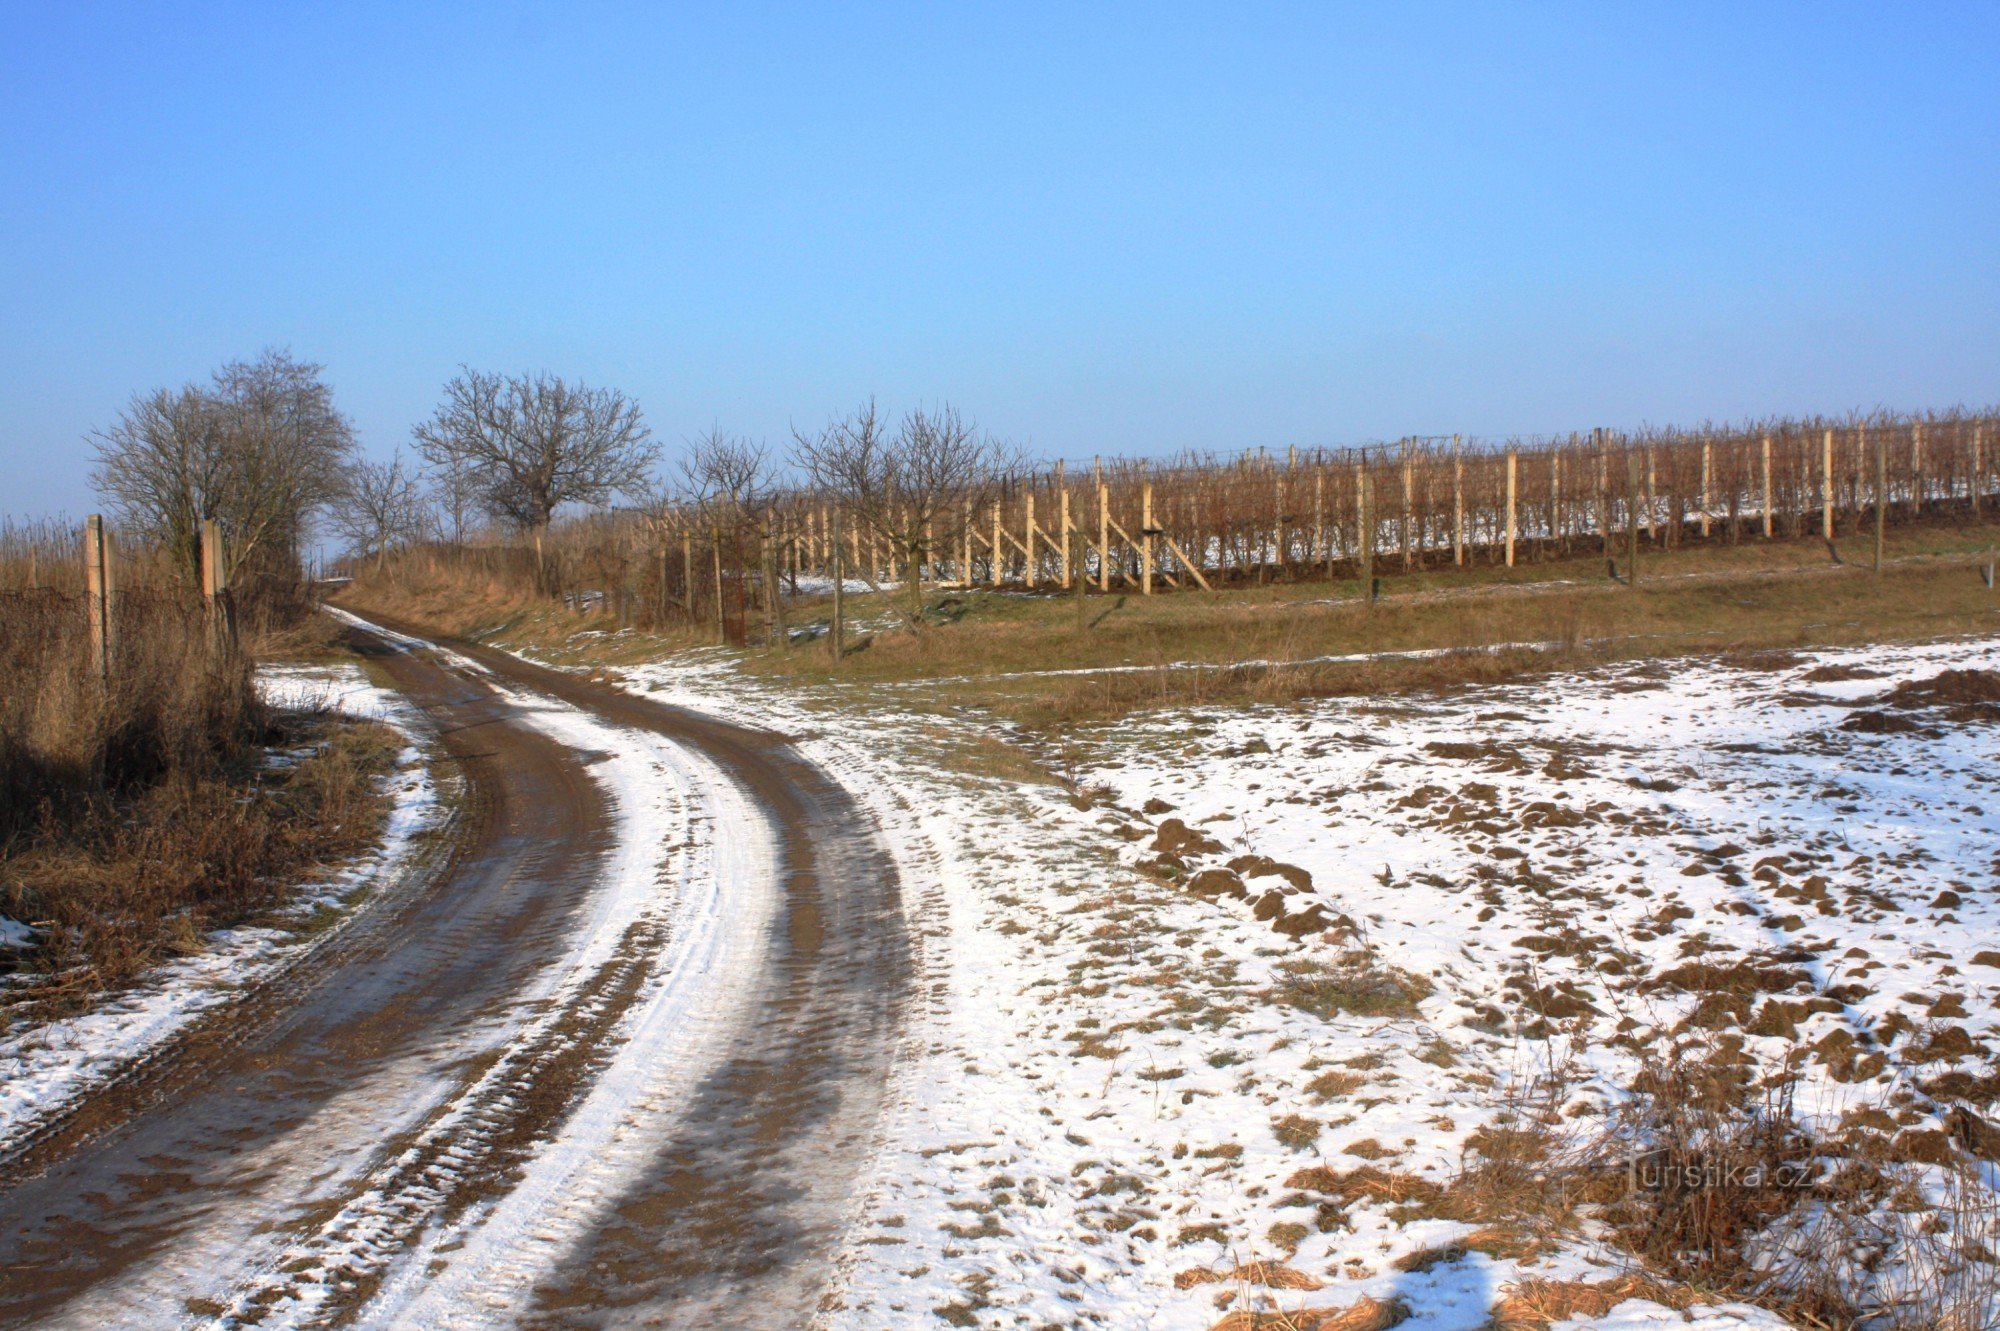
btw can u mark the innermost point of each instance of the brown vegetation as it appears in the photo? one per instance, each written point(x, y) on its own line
point(137, 807)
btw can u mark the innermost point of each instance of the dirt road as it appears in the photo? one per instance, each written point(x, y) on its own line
point(617, 1058)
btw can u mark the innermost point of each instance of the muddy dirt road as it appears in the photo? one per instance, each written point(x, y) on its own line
point(617, 1057)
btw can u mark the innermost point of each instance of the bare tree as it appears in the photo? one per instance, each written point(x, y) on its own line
point(912, 487)
point(261, 448)
point(454, 499)
point(382, 507)
point(725, 475)
point(536, 443)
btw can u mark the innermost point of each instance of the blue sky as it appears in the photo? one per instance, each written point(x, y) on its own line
point(1096, 228)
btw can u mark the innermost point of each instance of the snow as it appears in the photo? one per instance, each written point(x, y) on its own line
point(45, 1066)
point(1088, 1107)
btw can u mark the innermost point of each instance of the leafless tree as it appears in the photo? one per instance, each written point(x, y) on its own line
point(912, 487)
point(729, 477)
point(382, 507)
point(261, 447)
point(454, 492)
point(536, 443)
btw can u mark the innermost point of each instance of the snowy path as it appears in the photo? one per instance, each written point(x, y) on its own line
point(626, 1053)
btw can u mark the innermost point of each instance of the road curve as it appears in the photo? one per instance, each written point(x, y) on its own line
point(494, 1100)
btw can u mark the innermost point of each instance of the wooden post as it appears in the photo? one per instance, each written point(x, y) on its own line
point(1028, 538)
point(1069, 568)
point(215, 584)
point(97, 577)
point(1707, 471)
point(1365, 518)
point(1103, 535)
point(1146, 538)
point(999, 535)
point(1826, 485)
point(1881, 490)
point(1978, 467)
point(1652, 489)
point(1513, 466)
point(1409, 500)
point(1457, 503)
point(837, 630)
point(1632, 518)
point(1557, 534)
point(965, 548)
point(1917, 468)
point(1767, 486)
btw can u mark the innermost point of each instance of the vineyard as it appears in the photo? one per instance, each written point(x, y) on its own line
point(1204, 523)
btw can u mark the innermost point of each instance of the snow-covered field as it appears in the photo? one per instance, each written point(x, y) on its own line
point(46, 1065)
point(1145, 1093)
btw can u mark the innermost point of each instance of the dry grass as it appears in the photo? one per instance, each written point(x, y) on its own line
point(124, 881)
point(136, 810)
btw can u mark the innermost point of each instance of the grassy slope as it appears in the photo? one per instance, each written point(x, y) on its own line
point(995, 648)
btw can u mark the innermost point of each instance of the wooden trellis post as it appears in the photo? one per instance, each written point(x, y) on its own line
point(1146, 531)
point(1513, 467)
point(1028, 539)
point(1917, 469)
point(1652, 490)
point(1707, 474)
point(101, 600)
point(1881, 490)
point(1457, 503)
point(1978, 467)
point(1069, 570)
point(998, 561)
point(1767, 486)
point(1409, 500)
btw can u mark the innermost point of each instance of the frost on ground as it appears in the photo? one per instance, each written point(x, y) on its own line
point(1235, 1024)
point(44, 1066)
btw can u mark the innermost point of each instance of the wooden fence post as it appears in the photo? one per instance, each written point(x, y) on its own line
point(1826, 485)
point(1069, 568)
point(1513, 467)
point(215, 584)
point(1767, 486)
point(998, 561)
point(1146, 531)
point(1028, 538)
point(1881, 489)
point(1457, 503)
point(1917, 468)
point(1707, 474)
point(1409, 500)
point(100, 603)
